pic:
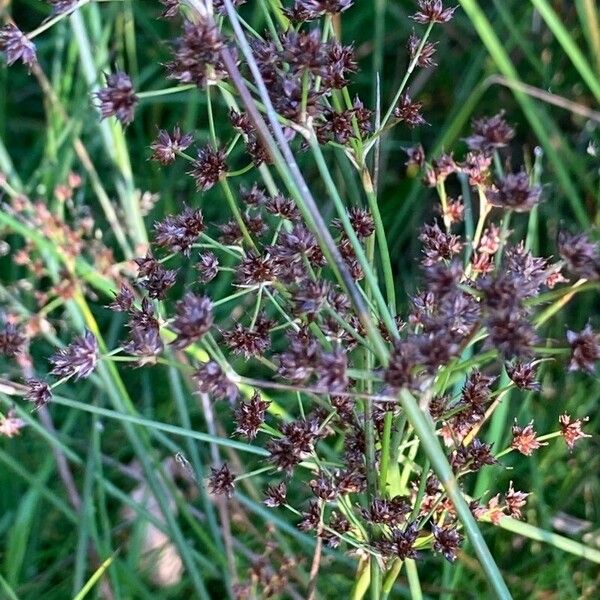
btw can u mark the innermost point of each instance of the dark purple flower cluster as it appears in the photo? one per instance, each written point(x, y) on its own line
point(117, 98)
point(167, 145)
point(179, 232)
point(197, 55)
point(78, 359)
point(16, 46)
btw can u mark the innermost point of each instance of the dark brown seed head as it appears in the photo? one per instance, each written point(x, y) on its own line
point(585, 350)
point(308, 10)
point(123, 300)
point(256, 268)
point(409, 112)
point(400, 371)
point(425, 57)
point(581, 255)
point(447, 541)
point(514, 192)
point(197, 55)
point(255, 196)
point(221, 481)
point(12, 340)
point(490, 133)
point(324, 487)
point(209, 167)
point(154, 277)
point(331, 371)
point(361, 221)
point(390, 512)
point(178, 233)
point(249, 416)
point(144, 333)
point(207, 267)
point(511, 333)
point(522, 374)
point(78, 359)
point(275, 495)
point(250, 342)
point(210, 379)
point(400, 544)
point(437, 245)
point(282, 207)
point(193, 319)
point(117, 98)
point(38, 392)
point(16, 46)
point(166, 145)
point(432, 11)
point(311, 518)
point(340, 525)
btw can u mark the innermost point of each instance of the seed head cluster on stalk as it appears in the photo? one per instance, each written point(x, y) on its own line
point(293, 334)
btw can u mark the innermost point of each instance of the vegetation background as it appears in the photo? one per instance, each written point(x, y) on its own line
point(539, 60)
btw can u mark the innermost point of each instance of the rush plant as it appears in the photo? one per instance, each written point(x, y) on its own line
point(307, 385)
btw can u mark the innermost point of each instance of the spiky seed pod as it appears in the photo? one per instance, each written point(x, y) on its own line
point(490, 133)
point(193, 319)
point(12, 340)
point(275, 495)
point(123, 300)
point(221, 481)
point(211, 380)
point(581, 255)
point(409, 112)
point(585, 350)
point(117, 98)
point(179, 232)
point(432, 11)
point(523, 374)
point(209, 167)
point(249, 416)
point(514, 192)
point(425, 57)
point(207, 267)
point(197, 55)
point(38, 392)
point(166, 145)
point(16, 46)
point(78, 359)
point(447, 541)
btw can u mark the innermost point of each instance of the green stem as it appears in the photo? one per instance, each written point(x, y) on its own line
point(166, 91)
point(440, 464)
point(54, 20)
point(382, 244)
point(411, 68)
point(237, 213)
point(356, 245)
